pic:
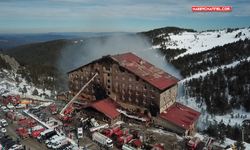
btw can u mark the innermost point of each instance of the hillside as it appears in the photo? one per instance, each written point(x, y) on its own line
point(213, 67)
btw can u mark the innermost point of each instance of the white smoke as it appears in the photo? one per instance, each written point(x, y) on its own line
point(94, 48)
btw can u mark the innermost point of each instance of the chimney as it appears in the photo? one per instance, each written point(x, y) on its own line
point(140, 62)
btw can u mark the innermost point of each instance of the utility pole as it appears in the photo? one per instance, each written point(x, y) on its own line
point(243, 130)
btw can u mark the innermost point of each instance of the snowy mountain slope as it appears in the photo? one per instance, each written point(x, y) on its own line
point(212, 70)
point(9, 83)
point(200, 41)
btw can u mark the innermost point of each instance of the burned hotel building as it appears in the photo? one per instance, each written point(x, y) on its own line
point(135, 85)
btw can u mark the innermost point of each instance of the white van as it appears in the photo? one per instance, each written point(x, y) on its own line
point(56, 140)
point(52, 138)
point(3, 123)
point(93, 122)
point(21, 106)
point(11, 107)
point(43, 133)
point(79, 133)
point(59, 143)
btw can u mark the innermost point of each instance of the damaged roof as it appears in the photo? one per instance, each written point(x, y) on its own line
point(181, 115)
point(150, 73)
point(106, 106)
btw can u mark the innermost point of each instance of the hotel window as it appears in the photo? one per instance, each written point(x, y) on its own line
point(98, 80)
point(123, 91)
point(76, 82)
point(123, 98)
point(108, 87)
point(86, 72)
point(123, 84)
point(153, 89)
point(116, 89)
point(137, 93)
point(116, 77)
point(87, 78)
point(137, 86)
point(76, 76)
point(144, 95)
point(129, 98)
point(152, 96)
point(93, 91)
point(108, 74)
point(129, 79)
point(145, 88)
point(144, 102)
point(97, 68)
point(123, 78)
point(71, 75)
point(130, 85)
point(137, 101)
point(116, 83)
point(81, 77)
point(130, 92)
point(107, 68)
point(108, 93)
point(108, 81)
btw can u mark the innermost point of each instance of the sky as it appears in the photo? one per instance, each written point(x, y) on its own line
point(42, 16)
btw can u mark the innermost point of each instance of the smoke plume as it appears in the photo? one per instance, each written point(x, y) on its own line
point(85, 51)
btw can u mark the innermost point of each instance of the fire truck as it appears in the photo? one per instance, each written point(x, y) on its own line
point(157, 147)
point(28, 123)
point(110, 131)
point(209, 144)
point(120, 133)
point(23, 133)
point(11, 115)
point(36, 132)
point(123, 140)
point(192, 143)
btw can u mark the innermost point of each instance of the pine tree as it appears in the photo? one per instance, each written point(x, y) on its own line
point(239, 145)
point(35, 92)
point(24, 89)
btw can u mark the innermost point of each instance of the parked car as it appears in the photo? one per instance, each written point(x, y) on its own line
point(3, 107)
point(32, 109)
point(3, 130)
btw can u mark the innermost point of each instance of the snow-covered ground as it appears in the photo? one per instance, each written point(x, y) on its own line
point(9, 83)
point(201, 41)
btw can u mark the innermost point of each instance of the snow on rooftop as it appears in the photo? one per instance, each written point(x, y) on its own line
point(130, 116)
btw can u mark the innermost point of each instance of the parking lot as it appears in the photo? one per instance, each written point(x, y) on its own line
point(48, 121)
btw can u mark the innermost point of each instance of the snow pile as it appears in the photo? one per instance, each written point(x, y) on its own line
point(130, 116)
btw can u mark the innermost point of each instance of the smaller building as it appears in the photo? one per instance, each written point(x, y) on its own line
point(179, 119)
point(102, 110)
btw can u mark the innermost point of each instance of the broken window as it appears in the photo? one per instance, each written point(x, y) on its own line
point(145, 88)
point(137, 78)
point(108, 74)
point(107, 68)
point(108, 81)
